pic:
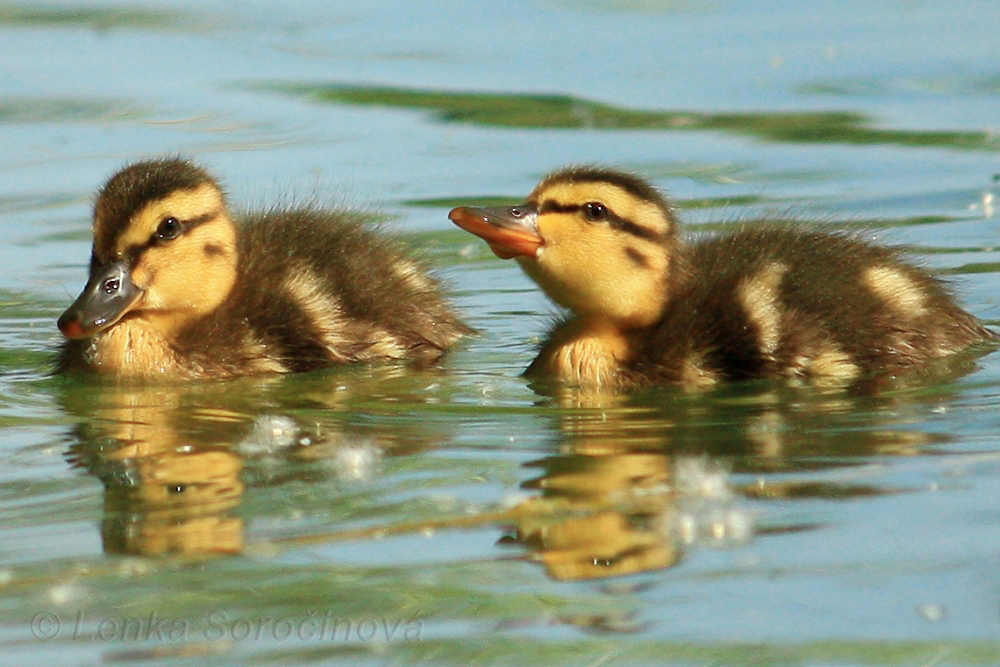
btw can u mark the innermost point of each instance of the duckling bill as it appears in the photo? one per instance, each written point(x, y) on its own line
point(646, 307)
point(180, 288)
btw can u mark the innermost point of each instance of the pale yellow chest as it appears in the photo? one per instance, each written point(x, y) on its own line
point(587, 352)
point(133, 349)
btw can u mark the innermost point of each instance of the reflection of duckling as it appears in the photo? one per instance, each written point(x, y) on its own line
point(623, 509)
point(179, 289)
point(172, 484)
point(174, 502)
point(766, 301)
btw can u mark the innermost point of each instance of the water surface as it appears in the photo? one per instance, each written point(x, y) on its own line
point(457, 516)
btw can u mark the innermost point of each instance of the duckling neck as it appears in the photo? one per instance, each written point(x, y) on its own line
point(586, 350)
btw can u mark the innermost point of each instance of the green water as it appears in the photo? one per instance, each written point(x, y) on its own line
point(381, 515)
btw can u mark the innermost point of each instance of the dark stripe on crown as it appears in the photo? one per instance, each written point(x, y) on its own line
point(615, 221)
point(629, 182)
point(136, 186)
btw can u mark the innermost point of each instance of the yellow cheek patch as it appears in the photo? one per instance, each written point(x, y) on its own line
point(592, 268)
point(189, 276)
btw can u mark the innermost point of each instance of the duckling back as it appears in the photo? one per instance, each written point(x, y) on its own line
point(319, 288)
point(784, 301)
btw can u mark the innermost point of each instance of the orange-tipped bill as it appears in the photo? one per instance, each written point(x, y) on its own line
point(108, 296)
point(511, 231)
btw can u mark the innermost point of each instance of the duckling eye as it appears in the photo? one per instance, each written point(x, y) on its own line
point(516, 212)
point(169, 229)
point(595, 211)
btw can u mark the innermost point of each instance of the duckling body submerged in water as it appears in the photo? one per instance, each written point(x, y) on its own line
point(180, 289)
point(768, 301)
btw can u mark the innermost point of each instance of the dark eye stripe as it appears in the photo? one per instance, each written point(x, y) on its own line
point(135, 251)
point(616, 222)
point(630, 227)
point(199, 220)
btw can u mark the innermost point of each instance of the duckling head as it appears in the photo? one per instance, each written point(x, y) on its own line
point(164, 250)
point(597, 241)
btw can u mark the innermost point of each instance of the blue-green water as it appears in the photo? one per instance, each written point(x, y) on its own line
point(387, 516)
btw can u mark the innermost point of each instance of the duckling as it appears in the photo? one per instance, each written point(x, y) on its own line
point(647, 308)
point(181, 289)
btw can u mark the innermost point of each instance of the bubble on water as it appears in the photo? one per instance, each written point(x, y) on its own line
point(931, 611)
point(270, 435)
point(62, 594)
point(513, 499)
point(987, 204)
point(134, 568)
point(707, 509)
point(357, 461)
point(699, 476)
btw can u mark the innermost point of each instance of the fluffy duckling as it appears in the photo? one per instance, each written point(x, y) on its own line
point(767, 301)
point(181, 289)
